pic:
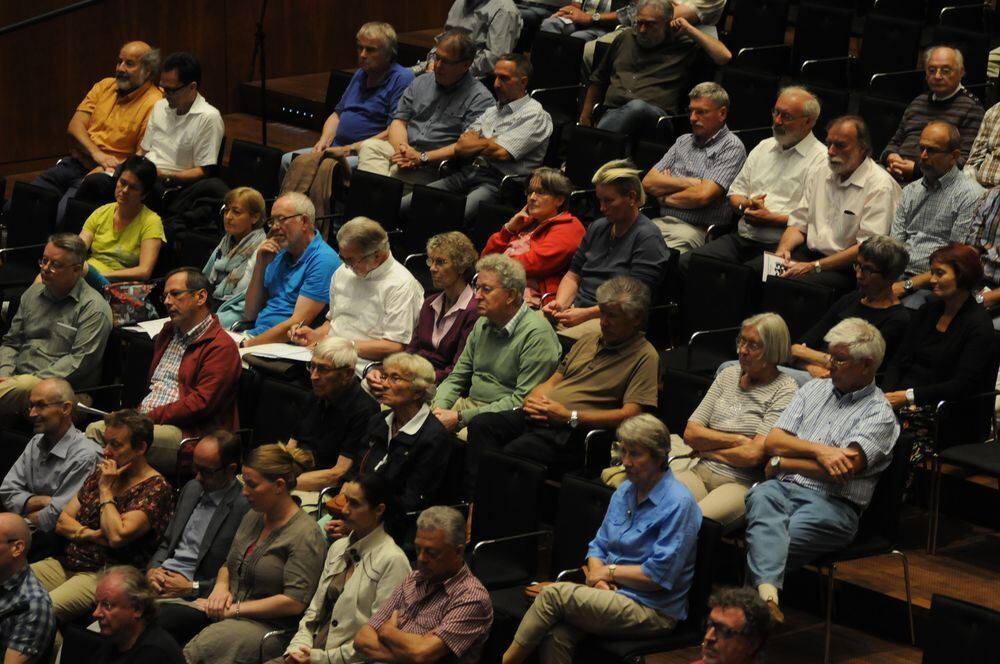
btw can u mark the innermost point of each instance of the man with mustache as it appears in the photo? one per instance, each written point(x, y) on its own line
point(841, 206)
point(771, 181)
point(691, 179)
point(109, 123)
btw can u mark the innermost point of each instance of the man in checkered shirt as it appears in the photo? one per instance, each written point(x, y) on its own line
point(27, 623)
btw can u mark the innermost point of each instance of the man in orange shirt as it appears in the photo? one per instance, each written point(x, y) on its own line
point(109, 123)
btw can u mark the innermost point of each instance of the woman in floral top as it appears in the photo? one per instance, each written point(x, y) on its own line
point(116, 518)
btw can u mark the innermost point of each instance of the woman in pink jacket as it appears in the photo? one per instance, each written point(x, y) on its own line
point(542, 236)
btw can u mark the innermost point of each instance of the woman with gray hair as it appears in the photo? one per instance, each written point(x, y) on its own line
point(542, 236)
point(640, 564)
point(406, 443)
point(881, 260)
point(728, 428)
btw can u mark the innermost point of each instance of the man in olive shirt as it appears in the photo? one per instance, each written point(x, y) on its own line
point(607, 377)
point(59, 331)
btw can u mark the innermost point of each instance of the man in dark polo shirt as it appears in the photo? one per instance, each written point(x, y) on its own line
point(607, 377)
point(334, 419)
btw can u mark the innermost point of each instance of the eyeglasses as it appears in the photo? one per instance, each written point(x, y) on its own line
point(485, 290)
point(323, 368)
point(280, 221)
point(944, 71)
point(840, 361)
point(931, 150)
point(48, 263)
point(125, 184)
point(752, 346)
point(38, 405)
point(721, 631)
point(396, 379)
point(866, 270)
point(438, 262)
point(171, 91)
point(785, 116)
point(351, 262)
point(175, 294)
point(647, 24)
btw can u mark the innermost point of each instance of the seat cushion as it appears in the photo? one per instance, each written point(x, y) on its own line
point(983, 457)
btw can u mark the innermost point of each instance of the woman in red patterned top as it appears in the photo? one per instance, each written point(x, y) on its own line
point(116, 518)
point(543, 236)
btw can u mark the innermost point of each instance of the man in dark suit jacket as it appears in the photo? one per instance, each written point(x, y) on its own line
point(209, 510)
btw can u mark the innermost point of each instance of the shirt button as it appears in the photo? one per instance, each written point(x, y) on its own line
point(333, 624)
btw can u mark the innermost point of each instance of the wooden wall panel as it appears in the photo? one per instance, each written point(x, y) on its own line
point(48, 67)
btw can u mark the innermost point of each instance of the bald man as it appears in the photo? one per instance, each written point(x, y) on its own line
point(27, 623)
point(56, 461)
point(109, 123)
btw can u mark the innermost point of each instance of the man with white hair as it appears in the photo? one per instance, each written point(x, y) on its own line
point(771, 181)
point(691, 179)
point(291, 278)
point(374, 301)
point(509, 351)
point(826, 453)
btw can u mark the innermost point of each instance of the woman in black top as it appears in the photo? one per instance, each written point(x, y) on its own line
point(881, 259)
point(948, 350)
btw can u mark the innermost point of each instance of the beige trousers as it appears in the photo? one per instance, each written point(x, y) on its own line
point(564, 613)
point(374, 157)
point(680, 235)
point(162, 454)
point(461, 404)
point(72, 593)
point(15, 392)
point(720, 498)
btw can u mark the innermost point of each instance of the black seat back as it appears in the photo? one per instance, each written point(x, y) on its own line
point(30, 219)
point(758, 23)
point(374, 196)
point(748, 95)
point(580, 511)
point(77, 213)
point(960, 631)
point(717, 293)
point(278, 407)
point(335, 88)
point(489, 219)
point(882, 117)
point(801, 304)
point(821, 31)
point(889, 43)
point(881, 518)
point(254, 165)
point(588, 150)
point(432, 211)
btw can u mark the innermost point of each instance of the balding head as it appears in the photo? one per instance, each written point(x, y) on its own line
point(138, 62)
point(794, 115)
point(15, 540)
point(50, 408)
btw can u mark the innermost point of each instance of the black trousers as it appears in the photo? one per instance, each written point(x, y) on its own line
point(842, 280)
point(181, 621)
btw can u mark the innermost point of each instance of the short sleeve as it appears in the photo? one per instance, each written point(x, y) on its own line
point(671, 552)
point(394, 602)
point(642, 388)
point(89, 102)
point(783, 395)
point(306, 551)
point(152, 227)
point(316, 285)
point(404, 109)
point(703, 413)
point(155, 500)
point(792, 417)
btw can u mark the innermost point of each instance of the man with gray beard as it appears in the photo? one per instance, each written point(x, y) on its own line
point(772, 179)
point(842, 205)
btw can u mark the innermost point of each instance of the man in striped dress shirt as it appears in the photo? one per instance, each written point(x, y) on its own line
point(826, 453)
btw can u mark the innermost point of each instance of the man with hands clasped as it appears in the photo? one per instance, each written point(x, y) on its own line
point(827, 450)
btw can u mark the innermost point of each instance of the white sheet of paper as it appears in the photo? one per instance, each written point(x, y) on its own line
point(150, 327)
point(279, 351)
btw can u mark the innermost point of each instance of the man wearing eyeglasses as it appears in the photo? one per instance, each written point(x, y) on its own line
point(209, 510)
point(193, 375)
point(946, 100)
point(56, 461)
point(27, 623)
point(59, 331)
point(492, 26)
point(737, 628)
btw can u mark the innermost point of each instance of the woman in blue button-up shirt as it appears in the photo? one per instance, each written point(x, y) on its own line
point(639, 565)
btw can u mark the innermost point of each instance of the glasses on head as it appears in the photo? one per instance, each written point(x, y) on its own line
point(866, 270)
point(944, 71)
point(396, 379)
point(784, 116)
point(323, 369)
point(49, 264)
point(749, 344)
point(176, 294)
point(271, 222)
point(721, 631)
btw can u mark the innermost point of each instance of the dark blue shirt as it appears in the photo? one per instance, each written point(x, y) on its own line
point(366, 111)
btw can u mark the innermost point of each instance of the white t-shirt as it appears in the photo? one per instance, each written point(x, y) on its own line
point(179, 142)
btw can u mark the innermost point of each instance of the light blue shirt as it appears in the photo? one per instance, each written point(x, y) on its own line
point(660, 534)
point(286, 278)
point(185, 558)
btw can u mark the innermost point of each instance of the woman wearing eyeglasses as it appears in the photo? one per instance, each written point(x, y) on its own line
point(881, 259)
point(271, 572)
point(542, 236)
point(124, 238)
point(230, 265)
point(446, 318)
point(728, 428)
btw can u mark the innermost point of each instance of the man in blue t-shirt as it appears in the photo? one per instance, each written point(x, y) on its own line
point(291, 279)
point(367, 106)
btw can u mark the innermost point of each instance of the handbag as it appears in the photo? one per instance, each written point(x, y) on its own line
point(130, 302)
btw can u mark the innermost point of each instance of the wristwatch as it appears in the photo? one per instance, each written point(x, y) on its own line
point(423, 157)
point(595, 17)
point(195, 587)
point(775, 463)
point(611, 570)
point(817, 268)
point(910, 396)
point(574, 419)
point(908, 285)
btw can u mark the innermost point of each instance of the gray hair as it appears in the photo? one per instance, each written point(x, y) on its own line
point(508, 271)
point(663, 7)
point(862, 339)
point(860, 126)
point(628, 292)
point(337, 350)
point(71, 243)
point(149, 62)
point(553, 181)
point(624, 176)
point(136, 588)
point(811, 106)
point(301, 204)
point(713, 92)
point(62, 389)
point(959, 58)
point(458, 248)
point(646, 431)
point(887, 253)
point(446, 519)
point(384, 33)
point(460, 43)
point(365, 234)
point(419, 368)
point(773, 333)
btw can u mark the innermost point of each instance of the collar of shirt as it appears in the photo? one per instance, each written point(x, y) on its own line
point(857, 178)
point(195, 333)
point(73, 293)
point(943, 182)
point(512, 107)
point(426, 585)
point(508, 329)
point(437, 304)
point(623, 346)
point(466, 80)
point(214, 498)
point(801, 147)
point(135, 94)
point(657, 496)
point(413, 426)
point(354, 552)
point(291, 261)
point(199, 106)
point(856, 395)
point(934, 96)
point(61, 448)
point(378, 273)
point(711, 139)
point(13, 583)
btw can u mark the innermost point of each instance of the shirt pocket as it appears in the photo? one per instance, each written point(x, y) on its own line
point(61, 338)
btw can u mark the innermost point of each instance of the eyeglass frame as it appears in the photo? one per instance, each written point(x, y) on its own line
point(54, 265)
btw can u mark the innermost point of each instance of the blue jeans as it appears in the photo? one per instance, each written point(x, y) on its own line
point(788, 525)
point(631, 117)
point(559, 27)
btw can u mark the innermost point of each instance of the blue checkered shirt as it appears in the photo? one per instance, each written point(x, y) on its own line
point(163, 387)
point(820, 414)
point(26, 619)
point(983, 235)
point(930, 214)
